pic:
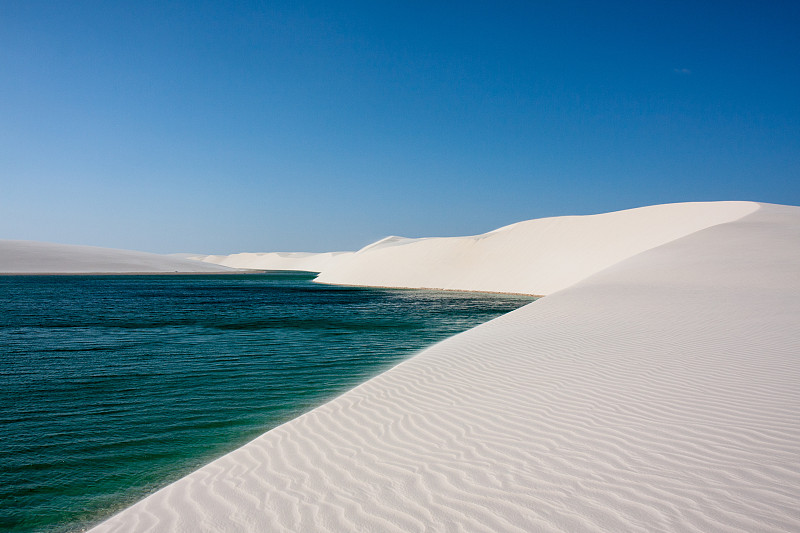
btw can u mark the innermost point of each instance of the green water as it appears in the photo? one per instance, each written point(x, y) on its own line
point(114, 386)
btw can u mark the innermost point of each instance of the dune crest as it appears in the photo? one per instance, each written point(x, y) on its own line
point(533, 257)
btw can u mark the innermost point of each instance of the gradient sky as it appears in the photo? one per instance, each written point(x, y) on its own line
point(205, 127)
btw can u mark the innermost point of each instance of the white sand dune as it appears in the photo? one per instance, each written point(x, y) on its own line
point(31, 257)
point(532, 257)
point(308, 261)
point(657, 393)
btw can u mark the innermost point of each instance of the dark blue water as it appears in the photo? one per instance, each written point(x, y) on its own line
point(114, 386)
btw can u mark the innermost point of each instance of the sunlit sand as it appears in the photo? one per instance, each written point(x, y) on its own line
point(656, 386)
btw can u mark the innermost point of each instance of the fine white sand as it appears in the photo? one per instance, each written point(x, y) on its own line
point(532, 257)
point(31, 257)
point(308, 261)
point(657, 393)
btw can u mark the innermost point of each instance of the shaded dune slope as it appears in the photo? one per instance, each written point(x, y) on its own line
point(659, 394)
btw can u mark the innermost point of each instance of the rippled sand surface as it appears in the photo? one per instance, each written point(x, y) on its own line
point(659, 393)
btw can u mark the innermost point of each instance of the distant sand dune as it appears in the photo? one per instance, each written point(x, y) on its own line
point(660, 392)
point(30, 257)
point(311, 262)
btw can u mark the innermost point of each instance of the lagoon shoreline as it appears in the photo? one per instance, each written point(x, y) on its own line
point(645, 396)
point(643, 393)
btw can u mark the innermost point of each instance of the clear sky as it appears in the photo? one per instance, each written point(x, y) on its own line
point(311, 126)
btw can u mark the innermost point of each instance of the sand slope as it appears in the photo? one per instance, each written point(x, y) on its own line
point(311, 262)
point(30, 257)
point(532, 257)
point(659, 394)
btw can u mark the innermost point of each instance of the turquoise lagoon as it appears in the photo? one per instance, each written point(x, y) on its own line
point(114, 386)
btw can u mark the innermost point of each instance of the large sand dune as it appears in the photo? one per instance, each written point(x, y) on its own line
point(532, 257)
point(31, 257)
point(660, 392)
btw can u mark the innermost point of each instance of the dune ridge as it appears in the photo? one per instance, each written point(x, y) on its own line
point(658, 393)
point(32, 257)
point(532, 257)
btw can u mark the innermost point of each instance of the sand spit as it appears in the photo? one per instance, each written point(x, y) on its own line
point(307, 261)
point(30, 257)
point(660, 393)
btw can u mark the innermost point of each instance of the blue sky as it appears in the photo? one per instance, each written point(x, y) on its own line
point(200, 126)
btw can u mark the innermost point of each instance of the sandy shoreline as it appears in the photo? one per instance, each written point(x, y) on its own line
point(122, 273)
point(646, 395)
